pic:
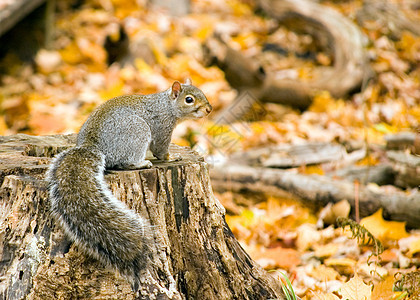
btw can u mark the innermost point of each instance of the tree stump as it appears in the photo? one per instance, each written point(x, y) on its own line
point(197, 255)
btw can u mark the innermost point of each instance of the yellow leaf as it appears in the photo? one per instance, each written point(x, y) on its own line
point(159, 54)
point(246, 219)
point(204, 31)
point(244, 40)
point(114, 91)
point(385, 128)
point(345, 262)
point(369, 160)
point(71, 54)
point(304, 73)
point(143, 66)
point(409, 45)
point(313, 169)
point(414, 247)
point(327, 250)
point(382, 229)
point(324, 102)
point(239, 8)
point(356, 289)
point(224, 137)
point(383, 290)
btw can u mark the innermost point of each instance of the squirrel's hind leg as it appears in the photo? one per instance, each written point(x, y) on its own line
point(128, 151)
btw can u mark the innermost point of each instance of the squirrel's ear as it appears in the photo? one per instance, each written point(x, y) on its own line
point(188, 81)
point(176, 89)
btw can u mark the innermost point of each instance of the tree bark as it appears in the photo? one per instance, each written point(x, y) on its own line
point(197, 255)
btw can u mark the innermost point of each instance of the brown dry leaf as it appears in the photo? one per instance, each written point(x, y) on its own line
point(389, 255)
point(46, 123)
point(324, 296)
point(92, 51)
point(382, 229)
point(356, 289)
point(324, 273)
point(372, 270)
point(285, 258)
point(345, 265)
point(331, 212)
point(341, 209)
point(47, 61)
point(284, 212)
point(307, 236)
point(383, 290)
point(328, 250)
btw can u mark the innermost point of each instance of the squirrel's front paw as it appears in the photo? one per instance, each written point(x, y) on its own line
point(145, 164)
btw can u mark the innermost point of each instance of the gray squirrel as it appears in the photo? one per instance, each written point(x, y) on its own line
point(116, 136)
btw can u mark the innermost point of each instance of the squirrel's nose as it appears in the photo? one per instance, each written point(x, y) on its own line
point(208, 109)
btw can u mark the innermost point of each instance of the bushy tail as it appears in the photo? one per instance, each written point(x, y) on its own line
point(91, 216)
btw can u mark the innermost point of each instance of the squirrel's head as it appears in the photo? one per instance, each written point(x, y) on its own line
point(190, 101)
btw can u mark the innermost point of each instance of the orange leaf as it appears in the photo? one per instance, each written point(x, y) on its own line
point(278, 257)
point(383, 290)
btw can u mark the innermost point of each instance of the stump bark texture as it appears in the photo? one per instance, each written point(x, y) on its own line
point(197, 256)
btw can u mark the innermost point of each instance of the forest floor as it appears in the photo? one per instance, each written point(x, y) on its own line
point(57, 91)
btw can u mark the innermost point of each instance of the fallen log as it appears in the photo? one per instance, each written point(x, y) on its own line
point(318, 191)
point(338, 35)
point(197, 255)
point(387, 15)
point(406, 167)
point(11, 12)
point(289, 156)
point(344, 39)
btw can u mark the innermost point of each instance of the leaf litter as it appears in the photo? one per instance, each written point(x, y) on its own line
point(57, 92)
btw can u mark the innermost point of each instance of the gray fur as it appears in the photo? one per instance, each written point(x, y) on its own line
point(116, 135)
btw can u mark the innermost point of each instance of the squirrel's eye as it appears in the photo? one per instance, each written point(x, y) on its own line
point(189, 100)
